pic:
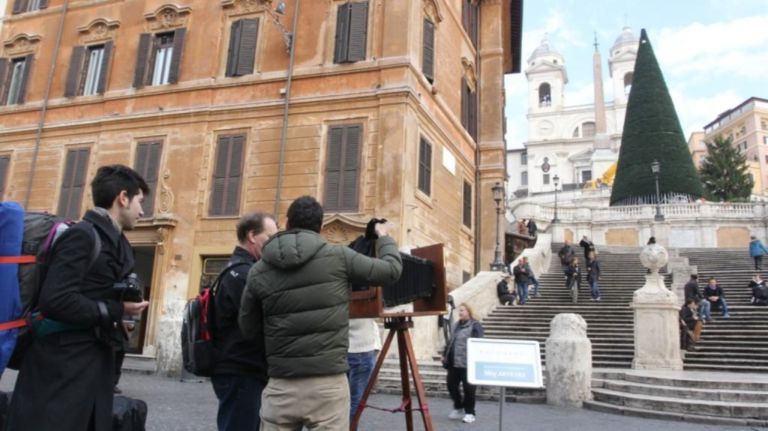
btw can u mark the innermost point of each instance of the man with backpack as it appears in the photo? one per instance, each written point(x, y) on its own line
point(65, 380)
point(240, 369)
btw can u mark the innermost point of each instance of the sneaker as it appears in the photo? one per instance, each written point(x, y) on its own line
point(456, 414)
point(725, 316)
point(538, 295)
point(468, 418)
point(598, 299)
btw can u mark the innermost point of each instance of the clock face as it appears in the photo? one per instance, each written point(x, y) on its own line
point(545, 127)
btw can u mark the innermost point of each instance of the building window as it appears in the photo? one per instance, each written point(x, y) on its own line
point(425, 166)
point(87, 73)
point(465, 277)
point(524, 157)
point(148, 166)
point(524, 178)
point(21, 6)
point(159, 57)
point(467, 207)
point(242, 47)
point(73, 183)
point(546, 179)
point(470, 20)
point(468, 109)
point(342, 171)
point(765, 140)
point(14, 76)
point(428, 51)
point(545, 94)
point(227, 176)
point(628, 83)
point(5, 161)
point(588, 129)
point(351, 32)
point(586, 175)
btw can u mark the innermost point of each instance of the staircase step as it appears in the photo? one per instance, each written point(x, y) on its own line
point(656, 414)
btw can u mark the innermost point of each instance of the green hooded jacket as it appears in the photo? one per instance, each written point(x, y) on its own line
point(296, 298)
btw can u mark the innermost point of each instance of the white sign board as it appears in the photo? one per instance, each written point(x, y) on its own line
point(510, 363)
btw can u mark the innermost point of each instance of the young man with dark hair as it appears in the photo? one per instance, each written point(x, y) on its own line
point(66, 378)
point(296, 298)
point(714, 294)
point(692, 291)
point(240, 372)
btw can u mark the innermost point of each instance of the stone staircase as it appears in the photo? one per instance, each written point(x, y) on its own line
point(704, 397)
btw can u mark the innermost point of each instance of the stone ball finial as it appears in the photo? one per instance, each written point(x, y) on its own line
point(654, 257)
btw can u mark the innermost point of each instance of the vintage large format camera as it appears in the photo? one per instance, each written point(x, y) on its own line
point(129, 290)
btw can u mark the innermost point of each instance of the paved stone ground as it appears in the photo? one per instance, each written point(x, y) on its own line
point(190, 406)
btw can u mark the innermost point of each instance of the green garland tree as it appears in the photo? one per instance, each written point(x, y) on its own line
point(724, 172)
point(652, 132)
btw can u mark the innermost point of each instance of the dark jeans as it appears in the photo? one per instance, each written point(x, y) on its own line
point(758, 263)
point(239, 402)
point(456, 376)
point(594, 288)
point(522, 292)
point(360, 369)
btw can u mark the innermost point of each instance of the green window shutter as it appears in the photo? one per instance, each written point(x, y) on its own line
point(4, 68)
point(350, 174)
point(74, 71)
point(246, 57)
point(28, 60)
point(232, 198)
point(333, 169)
point(465, 104)
point(19, 6)
point(358, 31)
point(73, 183)
point(178, 48)
point(148, 166)
point(140, 73)
point(472, 117)
point(233, 51)
point(467, 207)
point(43, 4)
point(428, 51)
point(342, 33)
point(102, 86)
point(342, 172)
point(227, 176)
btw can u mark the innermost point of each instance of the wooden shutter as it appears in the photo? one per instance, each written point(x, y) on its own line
point(246, 57)
point(73, 183)
point(4, 162)
point(425, 167)
point(467, 208)
point(342, 33)
point(3, 84)
point(102, 86)
point(428, 51)
point(140, 73)
point(227, 175)
point(75, 69)
point(333, 169)
point(472, 117)
point(233, 51)
point(342, 172)
point(148, 166)
point(28, 60)
point(19, 6)
point(474, 16)
point(43, 4)
point(351, 158)
point(464, 104)
point(178, 48)
point(358, 31)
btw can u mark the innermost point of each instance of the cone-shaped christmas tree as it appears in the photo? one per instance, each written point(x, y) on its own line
point(652, 132)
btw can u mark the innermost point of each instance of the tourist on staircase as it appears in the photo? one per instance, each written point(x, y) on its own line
point(759, 290)
point(593, 275)
point(690, 325)
point(523, 274)
point(506, 296)
point(566, 254)
point(757, 250)
point(455, 361)
point(532, 228)
point(587, 245)
point(692, 292)
point(573, 274)
point(714, 294)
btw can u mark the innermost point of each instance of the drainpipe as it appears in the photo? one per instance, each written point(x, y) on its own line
point(41, 120)
point(286, 104)
point(478, 218)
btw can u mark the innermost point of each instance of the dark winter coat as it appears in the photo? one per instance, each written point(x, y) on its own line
point(593, 270)
point(67, 376)
point(522, 274)
point(588, 247)
point(687, 316)
point(456, 351)
point(566, 254)
point(532, 228)
point(297, 299)
point(236, 355)
point(692, 290)
point(710, 292)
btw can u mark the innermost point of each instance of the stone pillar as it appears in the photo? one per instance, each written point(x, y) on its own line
point(569, 361)
point(657, 329)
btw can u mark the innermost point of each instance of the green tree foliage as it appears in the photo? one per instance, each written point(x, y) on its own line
point(652, 132)
point(724, 172)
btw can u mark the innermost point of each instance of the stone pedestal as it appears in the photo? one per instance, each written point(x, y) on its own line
point(569, 361)
point(657, 330)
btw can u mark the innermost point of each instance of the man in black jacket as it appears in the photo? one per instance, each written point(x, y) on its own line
point(588, 246)
point(240, 373)
point(65, 380)
point(692, 292)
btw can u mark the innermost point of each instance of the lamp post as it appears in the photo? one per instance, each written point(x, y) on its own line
point(555, 180)
point(656, 168)
point(498, 196)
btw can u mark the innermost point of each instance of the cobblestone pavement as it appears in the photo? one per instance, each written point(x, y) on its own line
point(191, 406)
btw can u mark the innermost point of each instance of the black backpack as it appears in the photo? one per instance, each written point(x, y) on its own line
point(198, 352)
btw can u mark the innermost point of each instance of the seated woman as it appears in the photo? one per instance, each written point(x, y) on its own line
point(759, 291)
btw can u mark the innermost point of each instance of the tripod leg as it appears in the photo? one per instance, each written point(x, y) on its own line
point(418, 383)
point(404, 380)
point(371, 381)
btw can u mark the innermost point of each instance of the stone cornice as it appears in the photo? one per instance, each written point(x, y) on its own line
point(98, 30)
point(167, 17)
point(21, 44)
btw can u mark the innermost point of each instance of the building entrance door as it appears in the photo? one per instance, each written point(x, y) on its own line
point(145, 263)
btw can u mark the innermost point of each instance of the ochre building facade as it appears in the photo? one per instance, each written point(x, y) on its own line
point(394, 109)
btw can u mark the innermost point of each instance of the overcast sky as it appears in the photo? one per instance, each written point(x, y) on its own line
point(713, 53)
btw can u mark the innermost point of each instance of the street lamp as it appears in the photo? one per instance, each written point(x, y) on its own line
point(555, 180)
point(498, 196)
point(656, 168)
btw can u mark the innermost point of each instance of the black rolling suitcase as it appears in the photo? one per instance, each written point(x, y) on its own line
point(128, 414)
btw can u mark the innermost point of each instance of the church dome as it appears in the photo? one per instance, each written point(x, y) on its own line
point(546, 51)
point(626, 39)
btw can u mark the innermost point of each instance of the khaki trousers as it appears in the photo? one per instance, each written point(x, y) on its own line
point(317, 403)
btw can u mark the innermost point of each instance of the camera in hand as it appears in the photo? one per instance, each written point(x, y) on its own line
point(129, 290)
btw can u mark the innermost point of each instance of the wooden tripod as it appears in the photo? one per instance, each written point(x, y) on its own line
point(399, 325)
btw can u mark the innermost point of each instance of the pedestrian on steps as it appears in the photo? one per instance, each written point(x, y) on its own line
point(593, 275)
point(756, 251)
point(455, 361)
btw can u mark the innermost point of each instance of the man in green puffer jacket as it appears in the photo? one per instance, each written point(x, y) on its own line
point(296, 298)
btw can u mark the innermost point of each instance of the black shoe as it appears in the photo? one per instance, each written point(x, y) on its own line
point(117, 390)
